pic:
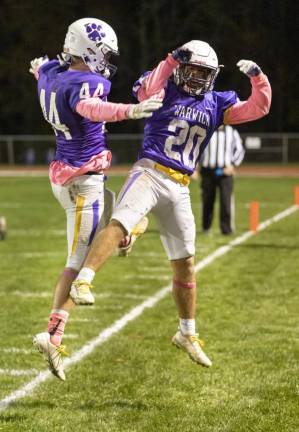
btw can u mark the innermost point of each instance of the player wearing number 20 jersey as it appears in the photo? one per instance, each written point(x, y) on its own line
point(177, 134)
point(174, 139)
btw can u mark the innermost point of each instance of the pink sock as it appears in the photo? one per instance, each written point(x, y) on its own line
point(56, 324)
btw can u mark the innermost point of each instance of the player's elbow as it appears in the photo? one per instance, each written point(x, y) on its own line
point(264, 110)
point(263, 106)
point(265, 101)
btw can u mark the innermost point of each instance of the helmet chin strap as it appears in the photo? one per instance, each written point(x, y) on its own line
point(106, 73)
point(183, 84)
point(64, 59)
point(193, 91)
point(107, 70)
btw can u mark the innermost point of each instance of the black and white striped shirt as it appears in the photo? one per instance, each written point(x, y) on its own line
point(224, 149)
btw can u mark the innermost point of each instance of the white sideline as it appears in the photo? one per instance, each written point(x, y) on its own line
point(135, 312)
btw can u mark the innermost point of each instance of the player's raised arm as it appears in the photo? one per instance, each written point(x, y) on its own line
point(259, 102)
point(153, 83)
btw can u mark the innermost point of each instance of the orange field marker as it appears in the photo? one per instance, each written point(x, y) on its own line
point(254, 215)
point(296, 195)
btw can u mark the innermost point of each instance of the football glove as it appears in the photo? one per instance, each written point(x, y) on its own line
point(144, 109)
point(36, 63)
point(249, 68)
point(182, 55)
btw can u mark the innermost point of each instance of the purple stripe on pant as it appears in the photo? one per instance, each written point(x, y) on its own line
point(95, 221)
point(130, 182)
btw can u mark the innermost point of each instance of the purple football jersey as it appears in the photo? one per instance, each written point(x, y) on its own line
point(59, 90)
point(177, 134)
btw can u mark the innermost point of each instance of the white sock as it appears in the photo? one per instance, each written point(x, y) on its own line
point(187, 326)
point(86, 274)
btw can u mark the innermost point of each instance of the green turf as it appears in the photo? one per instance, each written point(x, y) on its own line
point(136, 381)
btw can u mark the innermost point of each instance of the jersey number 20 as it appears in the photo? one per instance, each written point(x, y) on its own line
point(189, 137)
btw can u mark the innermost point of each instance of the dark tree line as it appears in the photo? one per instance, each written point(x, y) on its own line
point(264, 31)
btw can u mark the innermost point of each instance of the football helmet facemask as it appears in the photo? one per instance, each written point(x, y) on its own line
point(94, 41)
point(197, 76)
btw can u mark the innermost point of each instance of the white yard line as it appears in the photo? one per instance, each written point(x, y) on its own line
point(112, 295)
point(23, 173)
point(146, 277)
point(158, 269)
point(71, 336)
point(45, 294)
point(142, 255)
point(18, 372)
point(36, 232)
point(15, 350)
point(35, 254)
point(134, 313)
point(38, 294)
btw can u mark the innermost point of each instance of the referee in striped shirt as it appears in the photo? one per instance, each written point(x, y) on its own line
point(224, 152)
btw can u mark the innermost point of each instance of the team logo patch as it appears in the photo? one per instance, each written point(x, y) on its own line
point(94, 32)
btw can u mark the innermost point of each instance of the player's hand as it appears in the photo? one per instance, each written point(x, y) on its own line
point(36, 63)
point(182, 55)
point(249, 68)
point(145, 108)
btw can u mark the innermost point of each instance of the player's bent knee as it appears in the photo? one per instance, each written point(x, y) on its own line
point(70, 272)
point(184, 269)
point(118, 225)
point(184, 263)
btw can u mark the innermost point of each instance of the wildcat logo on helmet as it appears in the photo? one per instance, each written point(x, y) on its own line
point(94, 32)
point(93, 40)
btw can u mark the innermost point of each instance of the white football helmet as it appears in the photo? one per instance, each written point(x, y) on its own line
point(94, 41)
point(198, 75)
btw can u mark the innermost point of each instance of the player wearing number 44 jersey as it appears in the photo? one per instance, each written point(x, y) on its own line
point(73, 96)
point(174, 140)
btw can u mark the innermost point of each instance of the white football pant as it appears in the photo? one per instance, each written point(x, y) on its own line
point(147, 189)
point(83, 202)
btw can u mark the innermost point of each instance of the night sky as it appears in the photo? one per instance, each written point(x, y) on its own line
point(263, 31)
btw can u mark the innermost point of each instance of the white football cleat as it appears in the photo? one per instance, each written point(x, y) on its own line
point(193, 347)
point(51, 353)
point(80, 293)
point(127, 244)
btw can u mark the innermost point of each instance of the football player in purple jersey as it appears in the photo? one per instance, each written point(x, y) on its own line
point(73, 95)
point(174, 140)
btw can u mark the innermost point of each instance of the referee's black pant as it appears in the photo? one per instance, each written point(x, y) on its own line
point(209, 184)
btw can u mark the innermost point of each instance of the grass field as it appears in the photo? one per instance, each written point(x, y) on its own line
point(136, 381)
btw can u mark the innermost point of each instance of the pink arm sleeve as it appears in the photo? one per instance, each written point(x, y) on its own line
point(96, 110)
point(256, 106)
point(155, 82)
